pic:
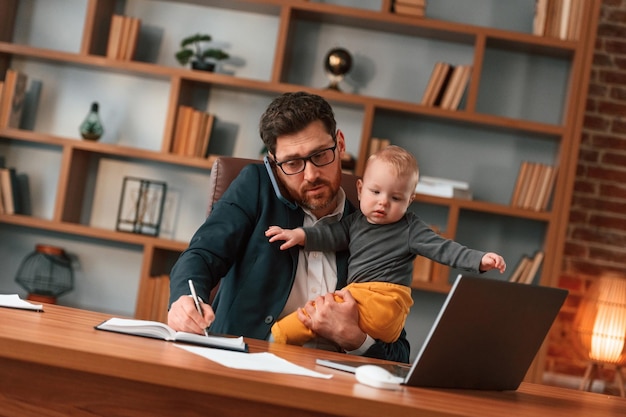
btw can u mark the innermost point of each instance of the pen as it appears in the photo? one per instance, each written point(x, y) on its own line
point(197, 302)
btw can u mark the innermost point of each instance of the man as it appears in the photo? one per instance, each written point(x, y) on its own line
point(259, 283)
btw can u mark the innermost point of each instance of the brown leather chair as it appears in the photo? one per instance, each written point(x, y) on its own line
point(226, 168)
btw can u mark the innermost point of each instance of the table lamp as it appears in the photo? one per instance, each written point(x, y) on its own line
point(600, 325)
point(46, 274)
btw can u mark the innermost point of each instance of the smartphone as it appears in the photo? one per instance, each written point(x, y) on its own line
point(276, 185)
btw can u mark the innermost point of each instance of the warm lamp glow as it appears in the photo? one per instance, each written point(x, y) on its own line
point(601, 320)
point(600, 325)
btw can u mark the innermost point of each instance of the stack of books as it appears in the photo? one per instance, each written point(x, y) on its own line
point(409, 7)
point(12, 98)
point(527, 268)
point(558, 18)
point(446, 85)
point(534, 185)
point(443, 187)
point(123, 36)
point(193, 132)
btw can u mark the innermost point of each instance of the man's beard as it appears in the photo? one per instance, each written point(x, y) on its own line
point(317, 203)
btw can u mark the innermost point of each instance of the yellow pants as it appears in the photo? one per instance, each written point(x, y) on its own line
point(383, 308)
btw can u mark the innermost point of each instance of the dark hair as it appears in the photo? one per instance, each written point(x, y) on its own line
point(290, 113)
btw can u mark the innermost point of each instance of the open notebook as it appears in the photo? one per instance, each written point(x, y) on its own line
point(485, 337)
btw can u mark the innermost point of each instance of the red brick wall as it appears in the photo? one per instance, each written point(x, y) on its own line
point(596, 236)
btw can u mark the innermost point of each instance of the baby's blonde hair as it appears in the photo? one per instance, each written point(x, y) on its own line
point(403, 162)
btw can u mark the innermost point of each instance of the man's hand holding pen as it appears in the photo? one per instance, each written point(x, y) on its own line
point(189, 319)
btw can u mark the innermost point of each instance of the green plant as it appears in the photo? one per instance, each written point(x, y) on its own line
point(192, 49)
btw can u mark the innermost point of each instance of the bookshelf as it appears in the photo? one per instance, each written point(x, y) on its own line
point(502, 119)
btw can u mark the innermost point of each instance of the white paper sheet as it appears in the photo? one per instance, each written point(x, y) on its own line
point(14, 301)
point(264, 361)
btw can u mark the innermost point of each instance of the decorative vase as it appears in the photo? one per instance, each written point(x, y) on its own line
point(91, 128)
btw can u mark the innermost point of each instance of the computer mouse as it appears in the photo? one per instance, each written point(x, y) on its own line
point(377, 377)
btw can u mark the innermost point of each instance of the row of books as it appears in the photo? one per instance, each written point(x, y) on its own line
point(12, 97)
point(446, 85)
point(533, 186)
point(193, 132)
point(123, 36)
point(409, 7)
point(527, 268)
point(558, 18)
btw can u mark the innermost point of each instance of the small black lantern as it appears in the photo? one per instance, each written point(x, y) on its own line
point(141, 206)
point(46, 274)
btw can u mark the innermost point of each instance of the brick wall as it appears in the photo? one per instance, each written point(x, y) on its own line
point(596, 236)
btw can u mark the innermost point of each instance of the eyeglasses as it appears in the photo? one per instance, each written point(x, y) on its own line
point(319, 159)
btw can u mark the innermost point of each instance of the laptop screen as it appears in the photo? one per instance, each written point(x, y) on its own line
point(486, 335)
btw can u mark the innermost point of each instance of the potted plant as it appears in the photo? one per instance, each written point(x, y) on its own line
point(194, 50)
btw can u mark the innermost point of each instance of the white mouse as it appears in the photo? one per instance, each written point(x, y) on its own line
point(377, 377)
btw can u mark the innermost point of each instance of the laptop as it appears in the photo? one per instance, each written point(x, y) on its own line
point(485, 336)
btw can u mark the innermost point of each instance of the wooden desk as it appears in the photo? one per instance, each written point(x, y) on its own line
point(56, 364)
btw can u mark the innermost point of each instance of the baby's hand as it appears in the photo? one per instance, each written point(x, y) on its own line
point(492, 261)
point(292, 237)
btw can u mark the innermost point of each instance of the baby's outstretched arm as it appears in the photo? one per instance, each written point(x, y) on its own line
point(492, 261)
point(292, 237)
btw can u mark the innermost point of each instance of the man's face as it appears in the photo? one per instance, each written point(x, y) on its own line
point(315, 188)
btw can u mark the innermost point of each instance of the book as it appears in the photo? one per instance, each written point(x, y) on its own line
point(443, 187)
point(529, 273)
point(130, 43)
point(459, 90)
point(16, 192)
point(576, 15)
point(181, 134)
point(451, 87)
point(31, 105)
point(414, 3)
point(205, 135)
point(442, 84)
point(115, 36)
point(444, 191)
point(520, 184)
point(428, 97)
point(13, 95)
point(539, 21)
point(532, 189)
point(547, 186)
point(564, 23)
point(14, 301)
point(6, 188)
point(158, 330)
point(533, 186)
point(123, 40)
point(520, 269)
point(408, 9)
point(194, 133)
